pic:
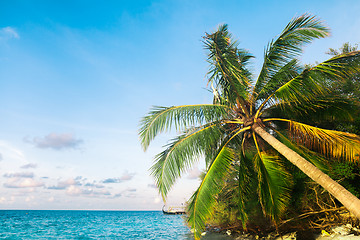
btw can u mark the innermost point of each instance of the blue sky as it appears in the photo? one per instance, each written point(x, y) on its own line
point(77, 76)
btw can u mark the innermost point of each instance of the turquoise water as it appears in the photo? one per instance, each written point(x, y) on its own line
point(22, 224)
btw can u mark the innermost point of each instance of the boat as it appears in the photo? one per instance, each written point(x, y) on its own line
point(173, 210)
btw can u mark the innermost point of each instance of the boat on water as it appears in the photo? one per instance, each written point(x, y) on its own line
point(173, 210)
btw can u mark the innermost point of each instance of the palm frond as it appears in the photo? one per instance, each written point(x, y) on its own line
point(162, 119)
point(330, 143)
point(181, 153)
point(315, 158)
point(325, 109)
point(299, 31)
point(228, 65)
point(274, 183)
point(282, 76)
point(314, 82)
point(203, 199)
point(244, 185)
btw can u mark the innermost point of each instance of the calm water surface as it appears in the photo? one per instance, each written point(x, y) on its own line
point(22, 224)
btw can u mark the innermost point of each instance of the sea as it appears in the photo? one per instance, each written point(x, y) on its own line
point(63, 224)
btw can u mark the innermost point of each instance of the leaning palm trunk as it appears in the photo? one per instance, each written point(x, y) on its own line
point(339, 192)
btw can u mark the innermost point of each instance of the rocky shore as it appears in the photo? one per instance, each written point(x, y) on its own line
point(343, 232)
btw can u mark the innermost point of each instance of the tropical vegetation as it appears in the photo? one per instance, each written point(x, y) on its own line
point(253, 130)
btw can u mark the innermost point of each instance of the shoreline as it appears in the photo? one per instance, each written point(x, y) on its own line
point(341, 232)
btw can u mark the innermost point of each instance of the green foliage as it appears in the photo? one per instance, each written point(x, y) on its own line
point(180, 154)
point(281, 51)
point(161, 119)
point(203, 199)
point(243, 171)
point(227, 64)
point(274, 184)
point(348, 174)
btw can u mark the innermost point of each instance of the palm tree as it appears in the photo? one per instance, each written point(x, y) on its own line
point(251, 125)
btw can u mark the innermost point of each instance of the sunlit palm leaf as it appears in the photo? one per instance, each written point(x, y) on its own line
point(330, 143)
point(315, 158)
point(181, 153)
point(161, 119)
point(203, 199)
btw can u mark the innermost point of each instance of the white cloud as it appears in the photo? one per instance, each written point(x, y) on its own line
point(1, 157)
point(194, 173)
point(73, 191)
point(29, 165)
point(8, 33)
point(129, 192)
point(87, 192)
point(94, 184)
point(125, 177)
point(64, 184)
point(57, 141)
point(112, 180)
point(19, 175)
point(22, 183)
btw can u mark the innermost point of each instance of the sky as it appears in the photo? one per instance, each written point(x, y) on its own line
point(76, 77)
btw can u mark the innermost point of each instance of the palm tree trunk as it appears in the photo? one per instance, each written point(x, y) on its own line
point(349, 201)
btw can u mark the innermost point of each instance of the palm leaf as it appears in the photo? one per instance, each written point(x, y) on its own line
point(315, 158)
point(203, 199)
point(181, 153)
point(161, 119)
point(314, 82)
point(282, 76)
point(227, 65)
point(274, 183)
point(330, 143)
point(244, 185)
point(299, 31)
point(326, 109)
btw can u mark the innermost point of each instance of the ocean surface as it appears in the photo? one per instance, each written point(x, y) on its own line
point(39, 224)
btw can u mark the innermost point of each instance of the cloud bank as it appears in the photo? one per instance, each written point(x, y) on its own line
point(125, 177)
point(22, 183)
point(56, 141)
point(19, 175)
point(65, 184)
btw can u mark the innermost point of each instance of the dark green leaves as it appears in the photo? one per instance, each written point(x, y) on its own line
point(274, 184)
